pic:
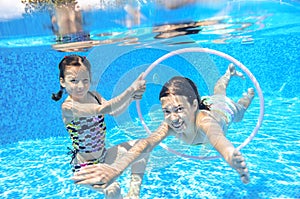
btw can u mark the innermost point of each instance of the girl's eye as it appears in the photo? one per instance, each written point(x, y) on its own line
point(166, 112)
point(85, 81)
point(179, 109)
point(74, 81)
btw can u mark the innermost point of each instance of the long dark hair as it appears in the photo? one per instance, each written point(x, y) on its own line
point(183, 86)
point(71, 60)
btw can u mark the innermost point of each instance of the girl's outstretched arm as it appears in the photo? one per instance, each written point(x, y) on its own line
point(215, 134)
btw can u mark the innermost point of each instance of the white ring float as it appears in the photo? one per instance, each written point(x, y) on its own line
point(231, 59)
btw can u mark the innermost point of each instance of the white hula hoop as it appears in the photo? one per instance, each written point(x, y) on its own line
point(231, 59)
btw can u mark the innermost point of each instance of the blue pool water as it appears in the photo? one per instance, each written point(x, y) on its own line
point(34, 142)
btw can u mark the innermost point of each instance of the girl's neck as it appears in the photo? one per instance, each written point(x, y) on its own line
point(84, 99)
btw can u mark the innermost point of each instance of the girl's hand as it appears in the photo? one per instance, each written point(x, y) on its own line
point(97, 175)
point(239, 164)
point(139, 87)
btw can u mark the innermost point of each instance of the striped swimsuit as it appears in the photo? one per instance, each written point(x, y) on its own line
point(87, 135)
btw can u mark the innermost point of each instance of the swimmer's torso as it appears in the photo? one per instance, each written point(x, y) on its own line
point(88, 136)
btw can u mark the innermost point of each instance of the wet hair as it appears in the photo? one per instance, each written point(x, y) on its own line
point(71, 60)
point(183, 86)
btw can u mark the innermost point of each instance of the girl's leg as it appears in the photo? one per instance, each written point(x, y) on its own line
point(243, 104)
point(221, 85)
point(137, 168)
point(113, 191)
point(247, 98)
point(137, 173)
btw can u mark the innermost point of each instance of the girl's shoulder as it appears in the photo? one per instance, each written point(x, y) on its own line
point(66, 103)
point(67, 110)
point(204, 117)
point(67, 107)
point(98, 96)
point(94, 92)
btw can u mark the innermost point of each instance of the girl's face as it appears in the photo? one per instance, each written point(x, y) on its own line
point(178, 112)
point(76, 82)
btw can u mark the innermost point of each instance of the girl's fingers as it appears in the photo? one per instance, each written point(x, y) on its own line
point(141, 76)
point(137, 97)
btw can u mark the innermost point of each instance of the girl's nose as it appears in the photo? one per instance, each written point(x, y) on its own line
point(80, 84)
point(174, 117)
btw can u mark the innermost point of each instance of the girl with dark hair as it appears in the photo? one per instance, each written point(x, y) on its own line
point(83, 115)
point(190, 119)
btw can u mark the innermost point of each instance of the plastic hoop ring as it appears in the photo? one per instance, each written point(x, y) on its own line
point(231, 59)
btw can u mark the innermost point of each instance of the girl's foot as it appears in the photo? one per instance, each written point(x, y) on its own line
point(247, 98)
point(135, 186)
point(233, 72)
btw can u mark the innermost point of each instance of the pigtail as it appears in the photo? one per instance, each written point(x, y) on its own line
point(204, 106)
point(57, 96)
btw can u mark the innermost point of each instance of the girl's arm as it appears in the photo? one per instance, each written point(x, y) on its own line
point(123, 104)
point(103, 174)
point(216, 136)
point(120, 103)
point(145, 145)
point(72, 109)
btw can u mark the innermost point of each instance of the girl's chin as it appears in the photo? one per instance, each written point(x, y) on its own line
point(80, 94)
point(179, 129)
